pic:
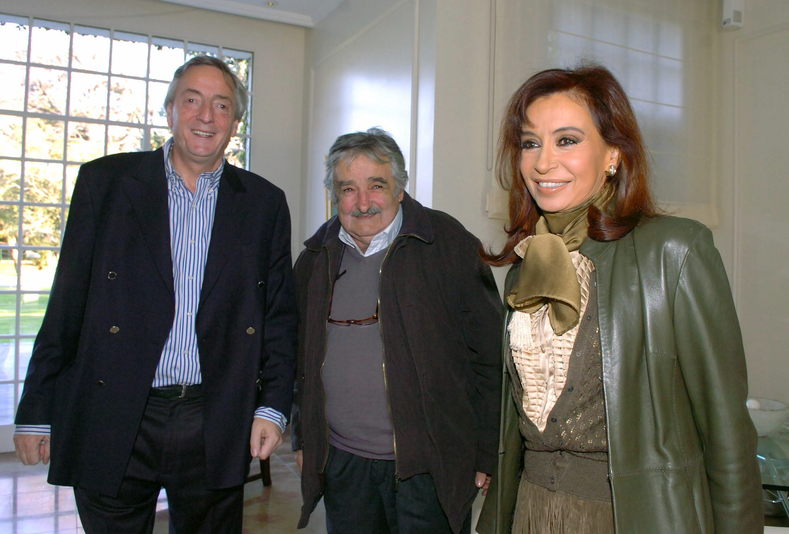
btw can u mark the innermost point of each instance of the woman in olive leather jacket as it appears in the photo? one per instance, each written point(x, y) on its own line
point(623, 407)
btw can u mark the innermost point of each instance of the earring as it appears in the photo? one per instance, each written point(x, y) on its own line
point(611, 170)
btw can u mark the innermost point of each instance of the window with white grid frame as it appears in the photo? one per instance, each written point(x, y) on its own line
point(659, 52)
point(71, 93)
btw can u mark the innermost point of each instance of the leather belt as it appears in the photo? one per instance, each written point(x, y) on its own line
point(177, 391)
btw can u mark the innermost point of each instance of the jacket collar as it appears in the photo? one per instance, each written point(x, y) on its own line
point(146, 188)
point(596, 250)
point(416, 223)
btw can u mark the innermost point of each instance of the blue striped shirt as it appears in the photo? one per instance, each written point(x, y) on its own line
point(191, 221)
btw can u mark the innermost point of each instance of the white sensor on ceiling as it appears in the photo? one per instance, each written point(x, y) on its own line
point(733, 11)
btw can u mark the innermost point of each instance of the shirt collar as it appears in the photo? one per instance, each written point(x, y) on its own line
point(381, 240)
point(173, 177)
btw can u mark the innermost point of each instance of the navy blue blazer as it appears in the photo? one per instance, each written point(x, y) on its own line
point(111, 310)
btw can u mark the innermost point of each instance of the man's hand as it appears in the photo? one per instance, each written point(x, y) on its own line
point(482, 481)
point(32, 448)
point(264, 439)
point(300, 459)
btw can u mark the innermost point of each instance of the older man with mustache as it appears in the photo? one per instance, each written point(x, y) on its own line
point(398, 368)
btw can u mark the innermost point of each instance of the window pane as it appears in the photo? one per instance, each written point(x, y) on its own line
point(9, 229)
point(240, 63)
point(130, 54)
point(88, 95)
point(197, 49)
point(13, 94)
point(43, 182)
point(41, 226)
point(32, 313)
point(91, 49)
point(673, 164)
point(47, 91)
point(156, 95)
point(25, 348)
point(7, 346)
point(44, 139)
point(123, 139)
point(13, 35)
point(9, 179)
point(85, 141)
point(127, 100)
point(6, 404)
point(236, 152)
point(71, 179)
point(159, 137)
point(50, 43)
point(38, 272)
point(664, 126)
point(243, 130)
point(7, 300)
point(166, 56)
point(10, 136)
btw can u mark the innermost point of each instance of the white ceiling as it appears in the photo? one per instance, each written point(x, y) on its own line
point(299, 12)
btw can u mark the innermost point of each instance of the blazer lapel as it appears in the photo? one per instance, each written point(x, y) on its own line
point(228, 218)
point(146, 189)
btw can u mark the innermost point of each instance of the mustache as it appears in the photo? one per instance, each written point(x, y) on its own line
point(372, 210)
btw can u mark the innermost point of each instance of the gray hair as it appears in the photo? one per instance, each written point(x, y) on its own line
point(377, 145)
point(239, 92)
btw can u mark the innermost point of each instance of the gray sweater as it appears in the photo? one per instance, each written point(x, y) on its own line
point(357, 408)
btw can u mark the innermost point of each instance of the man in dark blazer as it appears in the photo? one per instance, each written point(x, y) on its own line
point(166, 355)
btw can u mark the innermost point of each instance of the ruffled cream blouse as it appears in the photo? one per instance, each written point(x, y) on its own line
point(541, 357)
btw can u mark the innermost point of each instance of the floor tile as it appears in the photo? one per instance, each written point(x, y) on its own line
point(28, 505)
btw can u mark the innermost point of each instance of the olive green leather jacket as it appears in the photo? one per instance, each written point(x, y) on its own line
point(682, 448)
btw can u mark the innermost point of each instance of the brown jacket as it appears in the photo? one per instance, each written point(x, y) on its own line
point(440, 320)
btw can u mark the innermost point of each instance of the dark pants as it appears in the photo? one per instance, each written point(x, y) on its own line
point(362, 496)
point(168, 453)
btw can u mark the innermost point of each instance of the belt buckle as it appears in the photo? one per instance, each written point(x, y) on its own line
point(183, 391)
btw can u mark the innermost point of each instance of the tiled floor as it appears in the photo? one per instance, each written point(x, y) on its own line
point(28, 505)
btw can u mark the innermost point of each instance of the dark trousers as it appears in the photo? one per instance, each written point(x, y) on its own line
point(362, 496)
point(168, 453)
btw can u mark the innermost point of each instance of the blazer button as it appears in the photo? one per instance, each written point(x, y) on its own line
point(114, 329)
point(250, 330)
point(261, 283)
point(99, 382)
point(112, 275)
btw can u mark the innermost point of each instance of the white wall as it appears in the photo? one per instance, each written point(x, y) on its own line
point(754, 188)
point(428, 61)
point(465, 115)
point(360, 75)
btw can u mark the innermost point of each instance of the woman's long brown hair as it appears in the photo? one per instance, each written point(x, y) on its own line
point(611, 112)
